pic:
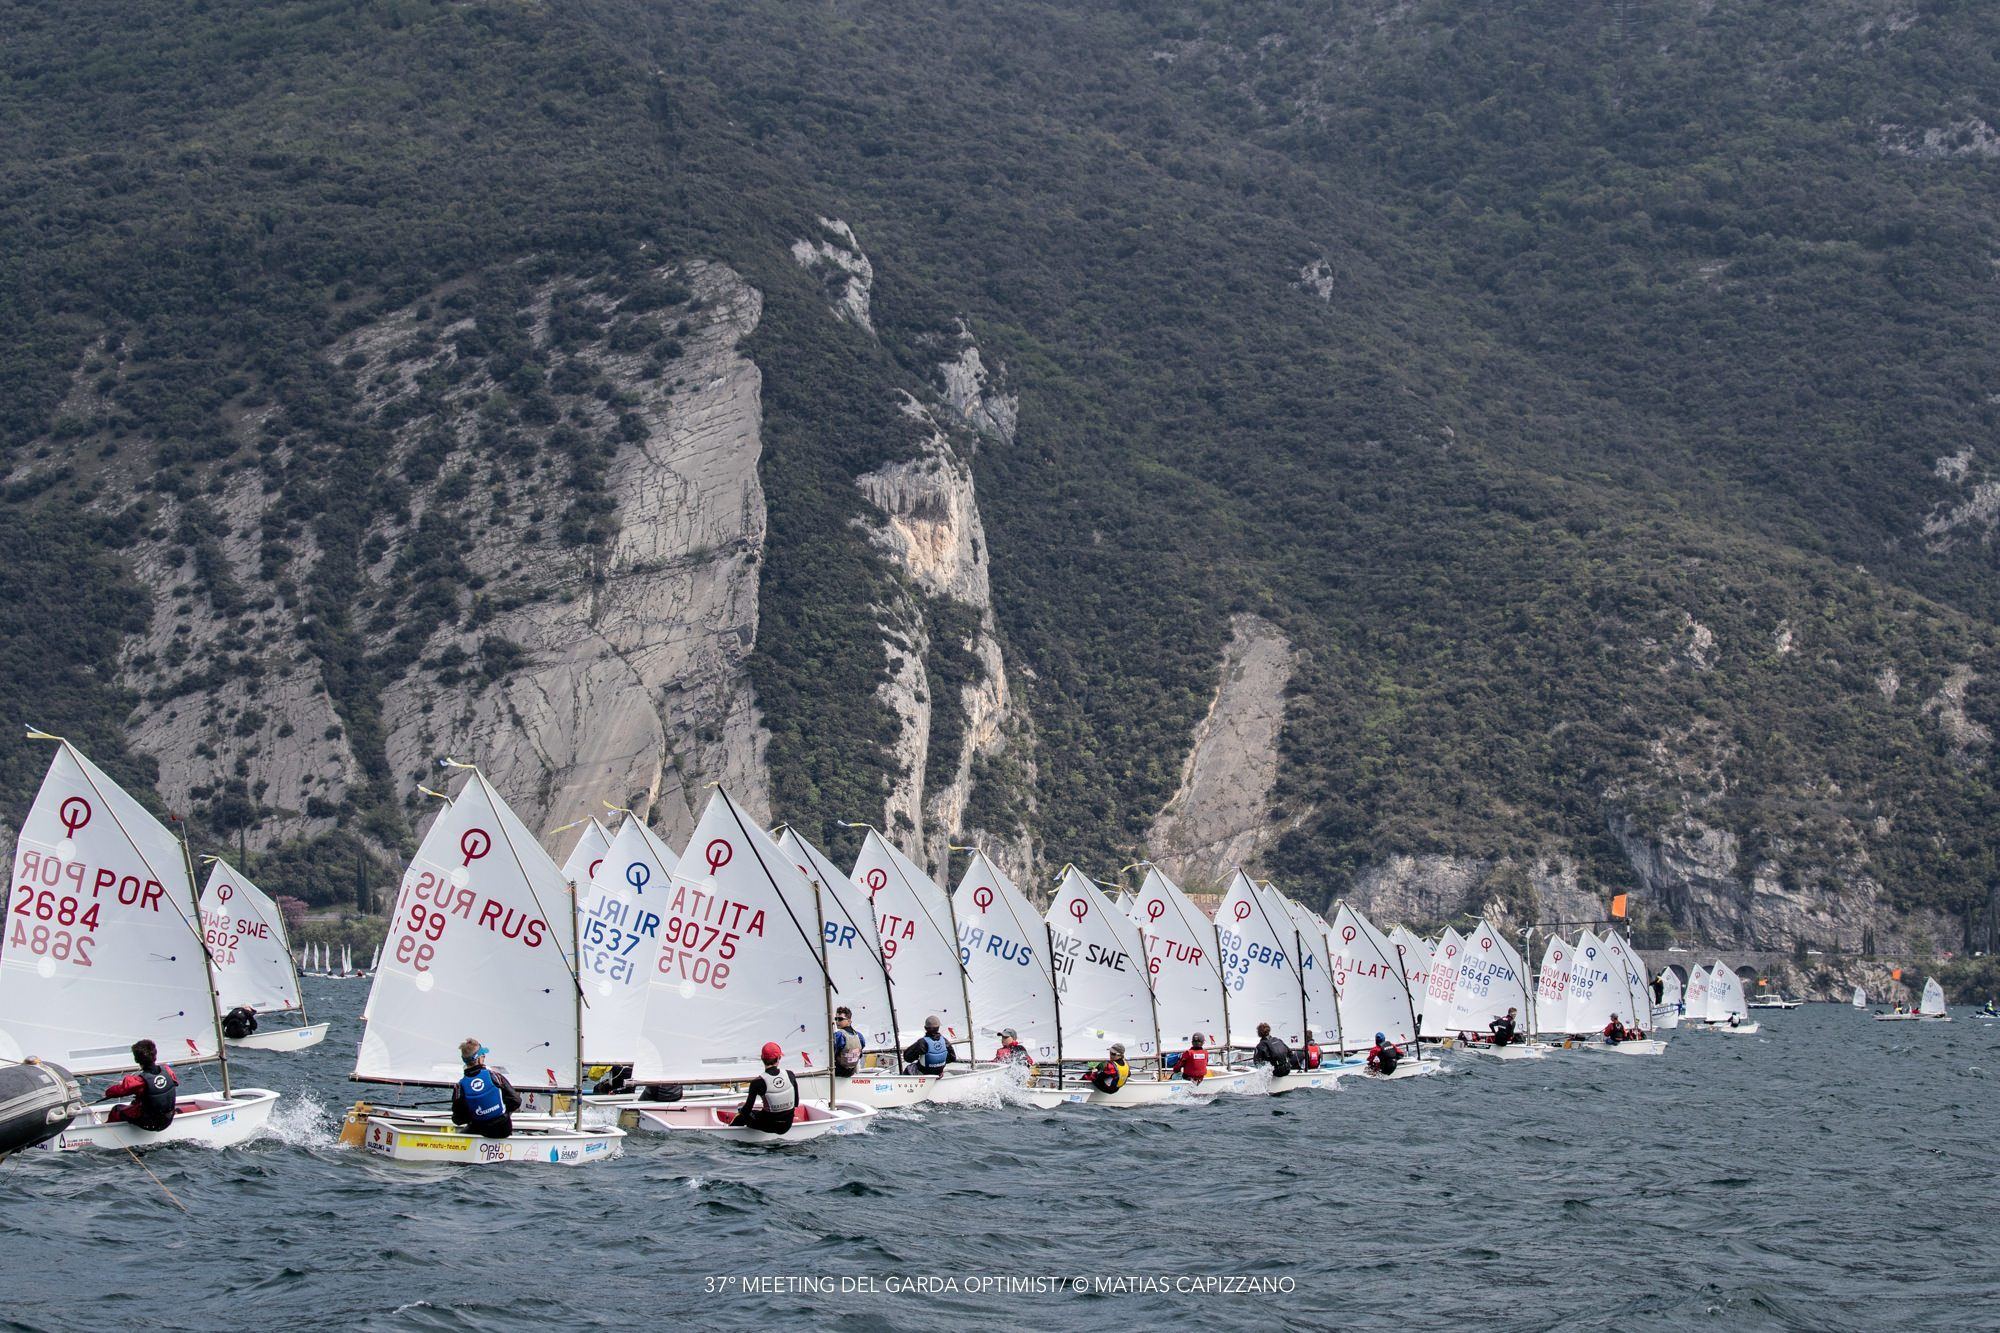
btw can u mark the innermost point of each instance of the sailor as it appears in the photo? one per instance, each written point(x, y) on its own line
point(1011, 1051)
point(1382, 1056)
point(848, 1044)
point(1503, 1028)
point(930, 1053)
point(1311, 1058)
point(1992, 1010)
point(615, 1079)
point(152, 1090)
point(1192, 1063)
point(777, 1089)
point(1614, 1031)
point(1113, 1073)
point(1270, 1051)
point(239, 1022)
point(483, 1100)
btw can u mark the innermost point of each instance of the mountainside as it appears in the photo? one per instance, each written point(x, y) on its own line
point(1468, 460)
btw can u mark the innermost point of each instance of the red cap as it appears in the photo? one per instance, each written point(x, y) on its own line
point(772, 1052)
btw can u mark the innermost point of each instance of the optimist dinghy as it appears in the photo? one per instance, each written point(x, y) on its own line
point(252, 960)
point(1930, 1009)
point(103, 945)
point(742, 963)
point(476, 947)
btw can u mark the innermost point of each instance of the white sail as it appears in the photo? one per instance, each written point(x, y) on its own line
point(101, 943)
point(1629, 968)
point(1413, 955)
point(621, 912)
point(1182, 957)
point(1933, 1001)
point(1309, 946)
point(1488, 982)
point(1694, 1000)
point(853, 947)
point(1369, 978)
point(477, 948)
point(1860, 998)
point(247, 947)
point(1124, 902)
point(919, 941)
point(347, 960)
point(1596, 991)
point(1100, 974)
point(1256, 947)
point(587, 857)
point(1446, 958)
point(1725, 994)
point(1667, 1009)
point(741, 960)
point(1003, 943)
point(1552, 988)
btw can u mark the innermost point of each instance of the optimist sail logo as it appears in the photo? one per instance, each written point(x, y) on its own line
point(73, 814)
point(474, 843)
point(982, 898)
point(719, 854)
point(876, 880)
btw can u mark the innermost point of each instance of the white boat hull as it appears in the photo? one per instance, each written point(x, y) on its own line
point(1154, 1092)
point(886, 1091)
point(1740, 1030)
point(1302, 1080)
point(1511, 1051)
point(420, 1139)
point(1643, 1046)
point(1071, 1094)
point(1236, 1083)
point(209, 1120)
point(815, 1119)
point(282, 1039)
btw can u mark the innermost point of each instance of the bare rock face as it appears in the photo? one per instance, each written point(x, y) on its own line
point(1220, 817)
point(849, 277)
point(629, 686)
point(1422, 891)
point(974, 395)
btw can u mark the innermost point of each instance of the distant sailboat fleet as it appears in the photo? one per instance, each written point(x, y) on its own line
point(634, 988)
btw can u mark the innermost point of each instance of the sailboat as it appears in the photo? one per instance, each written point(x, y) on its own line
point(1413, 955)
point(1725, 1008)
point(1667, 1007)
point(1626, 963)
point(347, 961)
point(477, 948)
point(1860, 998)
point(1007, 948)
point(1259, 958)
point(853, 951)
point(252, 960)
point(1598, 989)
point(1105, 995)
point(1442, 993)
point(1322, 1002)
point(620, 910)
point(919, 939)
point(741, 964)
point(1374, 990)
point(1552, 989)
point(1189, 992)
point(1930, 1007)
point(103, 946)
point(1491, 980)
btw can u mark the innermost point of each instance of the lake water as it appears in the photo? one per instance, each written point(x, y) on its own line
point(1829, 1173)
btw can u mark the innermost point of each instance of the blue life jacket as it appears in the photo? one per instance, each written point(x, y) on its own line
point(847, 1049)
point(937, 1052)
point(482, 1095)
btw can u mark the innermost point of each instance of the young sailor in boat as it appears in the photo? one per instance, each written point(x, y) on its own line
point(152, 1090)
point(1270, 1051)
point(1111, 1074)
point(239, 1022)
point(483, 1100)
point(1503, 1028)
point(615, 1079)
point(1615, 1032)
point(848, 1045)
point(777, 1089)
point(1192, 1063)
point(1990, 1011)
point(1383, 1057)
point(930, 1053)
point(1011, 1051)
point(1310, 1058)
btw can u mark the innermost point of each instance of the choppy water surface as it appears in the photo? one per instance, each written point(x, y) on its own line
point(1829, 1173)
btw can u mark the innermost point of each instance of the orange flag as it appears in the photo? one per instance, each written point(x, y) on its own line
point(1618, 906)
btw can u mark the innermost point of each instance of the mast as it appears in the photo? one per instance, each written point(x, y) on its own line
point(1534, 991)
point(576, 979)
point(826, 992)
point(964, 981)
point(207, 959)
point(1305, 1016)
point(1055, 993)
